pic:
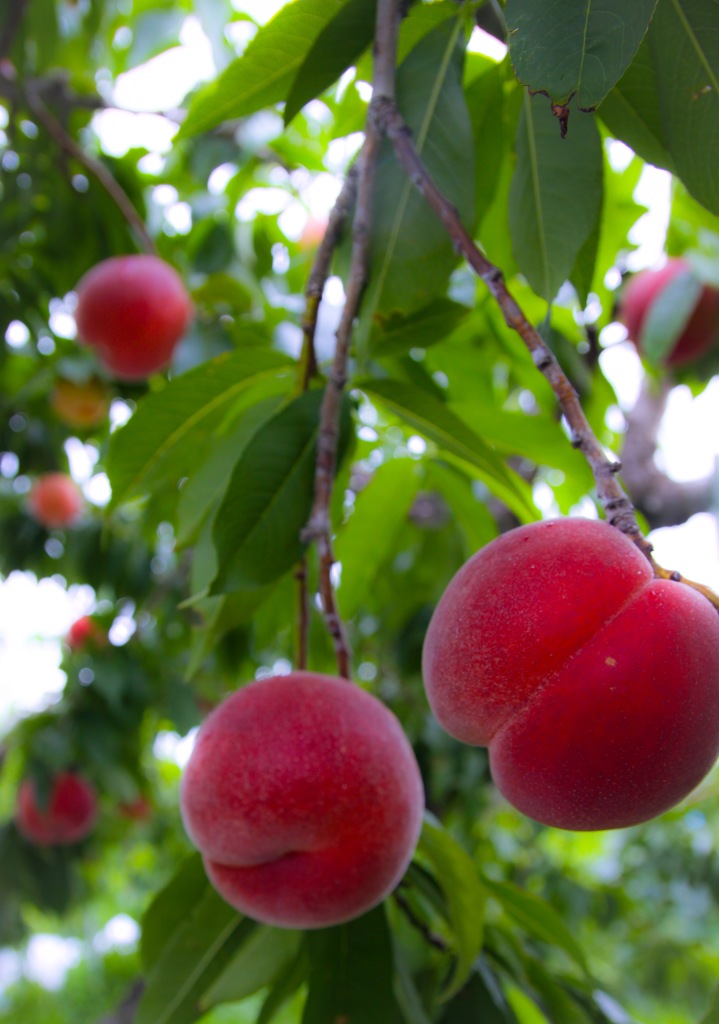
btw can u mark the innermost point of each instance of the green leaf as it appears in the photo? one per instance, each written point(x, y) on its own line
point(565, 47)
point(485, 102)
point(632, 110)
point(469, 513)
point(712, 1014)
point(265, 955)
point(262, 75)
point(556, 195)
point(167, 435)
point(351, 973)
point(481, 999)
point(368, 539)
point(411, 255)
point(553, 998)
point(668, 315)
point(269, 498)
point(432, 418)
point(684, 42)
point(198, 952)
point(336, 48)
point(457, 875)
point(428, 325)
point(284, 988)
point(170, 907)
point(537, 917)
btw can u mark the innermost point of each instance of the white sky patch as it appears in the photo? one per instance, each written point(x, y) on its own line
point(170, 746)
point(120, 932)
point(49, 958)
point(259, 10)
point(483, 42)
point(689, 434)
point(692, 549)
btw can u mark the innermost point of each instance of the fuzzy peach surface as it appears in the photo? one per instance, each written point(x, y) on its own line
point(69, 816)
point(305, 798)
point(595, 686)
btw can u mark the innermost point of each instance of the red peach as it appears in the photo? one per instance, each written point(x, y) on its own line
point(132, 310)
point(84, 631)
point(68, 817)
point(304, 796)
point(139, 809)
point(55, 500)
point(594, 685)
point(702, 328)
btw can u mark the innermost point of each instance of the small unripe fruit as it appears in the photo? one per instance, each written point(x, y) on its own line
point(132, 310)
point(80, 405)
point(55, 501)
point(69, 816)
point(304, 796)
point(594, 685)
point(702, 328)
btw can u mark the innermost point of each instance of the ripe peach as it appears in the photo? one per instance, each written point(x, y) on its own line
point(132, 310)
point(139, 809)
point(312, 233)
point(304, 796)
point(594, 685)
point(702, 328)
point(68, 817)
point(80, 405)
point(55, 500)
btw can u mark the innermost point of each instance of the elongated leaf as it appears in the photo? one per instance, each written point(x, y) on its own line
point(669, 314)
point(191, 961)
point(481, 999)
point(632, 110)
point(263, 74)
point(336, 48)
point(167, 435)
point(684, 41)
point(565, 47)
point(712, 1014)
point(266, 954)
point(432, 418)
point(485, 101)
point(268, 500)
point(369, 537)
point(457, 875)
point(556, 195)
point(425, 327)
point(411, 256)
point(170, 907)
point(537, 917)
point(342, 960)
point(554, 999)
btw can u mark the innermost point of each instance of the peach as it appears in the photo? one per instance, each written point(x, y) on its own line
point(80, 405)
point(702, 328)
point(139, 809)
point(69, 816)
point(84, 631)
point(132, 310)
point(304, 796)
point(594, 685)
point(55, 501)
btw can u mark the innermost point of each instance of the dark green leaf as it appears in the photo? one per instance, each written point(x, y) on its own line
point(668, 315)
point(336, 48)
point(712, 1014)
point(565, 47)
point(481, 1000)
point(556, 195)
point(265, 955)
point(351, 973)
point(485, 102)
point(430, 324)
point(198, 952)
point(170, 907)
point(457, 875)
point(269, 498)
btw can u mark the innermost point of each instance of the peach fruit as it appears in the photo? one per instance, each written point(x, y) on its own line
point(80, 405)
point(68, 817)
point(304, 796)
point(132, 310)
point(702, 328)
point(594, 685)
point(83, 632)
point(55, 501)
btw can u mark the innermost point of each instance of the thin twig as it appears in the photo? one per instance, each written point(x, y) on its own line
point(319, 526)
point(93, 166)
point(303, 614)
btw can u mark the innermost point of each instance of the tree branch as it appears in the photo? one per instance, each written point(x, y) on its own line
point(94, 167)
point(319, 526)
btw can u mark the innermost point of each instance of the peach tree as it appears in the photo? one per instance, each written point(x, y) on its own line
point(309, 336)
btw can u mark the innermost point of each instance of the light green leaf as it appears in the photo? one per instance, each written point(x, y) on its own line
point(556, 195)
point(269, 498)
point(668, 315)
point(369, 537)
point(170, 907)
point(343, 960)
point(267, 953)
point(436, 421)
point(263, 74)
point(457, 875)
point(411, 255)
point(537, 917)
point(336, 48)
point(168, 434)
point(712, 1014)
point(563, 47)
